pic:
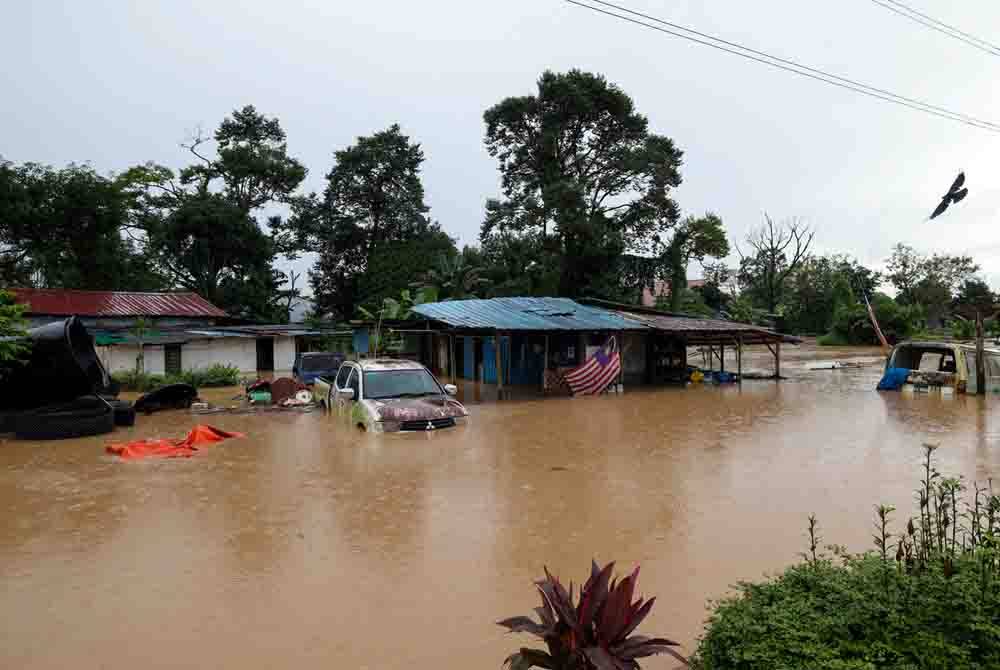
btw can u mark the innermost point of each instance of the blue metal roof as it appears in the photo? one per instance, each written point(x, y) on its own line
point(524, 314)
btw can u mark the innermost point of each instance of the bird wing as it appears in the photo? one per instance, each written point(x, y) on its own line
point(959, 180)
point(958, 195)
point(940, 208)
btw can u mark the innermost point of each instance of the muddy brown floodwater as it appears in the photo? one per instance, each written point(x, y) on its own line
point(309, 545)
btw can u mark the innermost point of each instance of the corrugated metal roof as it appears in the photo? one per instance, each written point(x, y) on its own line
point(524, 314)
point(60, 302)
point(695, 328)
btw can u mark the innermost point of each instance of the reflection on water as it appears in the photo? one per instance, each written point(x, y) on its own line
point(312, 545)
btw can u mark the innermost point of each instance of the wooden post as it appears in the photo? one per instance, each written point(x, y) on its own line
point(621, 362)
point(980, 357)
point(451, 359)
point(739, 360)
point(722, 358)
point(545, 366)
point(777, 360)
point(499, 361)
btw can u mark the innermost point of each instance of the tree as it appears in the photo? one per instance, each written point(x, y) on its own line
point(820, 286)
point(930, 282)
point(974, 295)
point(905, 268)
point(694, 239)
point(458, 277)
point(583, 179)
point(69, 228)
point(203, 228)
point(373, 199)
point(778, 250)
point(12, 327)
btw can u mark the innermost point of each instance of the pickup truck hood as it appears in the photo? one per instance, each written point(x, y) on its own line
point(416, 409)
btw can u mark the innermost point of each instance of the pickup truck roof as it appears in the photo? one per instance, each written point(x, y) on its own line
point(369, 364)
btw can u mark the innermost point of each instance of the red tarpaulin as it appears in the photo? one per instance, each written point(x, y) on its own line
point(200, 434)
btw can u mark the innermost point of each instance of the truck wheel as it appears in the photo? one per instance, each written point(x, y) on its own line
point(124, 412)
point(84, 416)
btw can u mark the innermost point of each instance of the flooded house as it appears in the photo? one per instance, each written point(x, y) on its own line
point(533, 342)
point(179, 330)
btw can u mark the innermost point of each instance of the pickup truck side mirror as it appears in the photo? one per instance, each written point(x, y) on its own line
point(346, 394)
point(451, 389)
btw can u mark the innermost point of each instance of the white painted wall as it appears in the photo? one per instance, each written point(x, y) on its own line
point(121, 358)
point(237, 351)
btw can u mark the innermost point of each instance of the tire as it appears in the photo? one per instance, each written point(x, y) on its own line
point(79, 418)
point(124, 412)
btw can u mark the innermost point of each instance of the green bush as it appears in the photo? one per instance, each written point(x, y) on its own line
point(852, 324)
point(927, 597)
point(963, 329)
point(214, 375)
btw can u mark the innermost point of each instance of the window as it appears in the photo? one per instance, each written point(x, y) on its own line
point(320, 362)
point(342, 376)
point(352, 383)
point(400, 383)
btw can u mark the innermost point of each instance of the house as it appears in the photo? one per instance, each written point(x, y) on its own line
point(661, 291)
point(533, 341)
point(181, 331)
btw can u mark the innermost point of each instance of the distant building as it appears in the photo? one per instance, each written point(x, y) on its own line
point(661, 291)
point(184, 331)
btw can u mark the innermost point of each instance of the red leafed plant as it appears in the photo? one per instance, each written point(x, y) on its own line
point(595, 633)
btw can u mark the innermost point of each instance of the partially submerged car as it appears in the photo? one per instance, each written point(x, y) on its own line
point(950, 365)
point(312, 364)
point(389, 395)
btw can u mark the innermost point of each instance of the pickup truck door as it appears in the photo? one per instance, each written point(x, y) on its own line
point(353, 382)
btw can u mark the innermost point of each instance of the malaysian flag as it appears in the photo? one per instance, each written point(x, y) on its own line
point(597, 373)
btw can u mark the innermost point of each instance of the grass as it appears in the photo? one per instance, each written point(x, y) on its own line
point(832, 340)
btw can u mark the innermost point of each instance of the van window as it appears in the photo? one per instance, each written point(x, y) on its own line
point(342, 376)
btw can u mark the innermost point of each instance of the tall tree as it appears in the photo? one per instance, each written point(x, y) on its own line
point(695, 238)
point(203, 227)
point(69, 228)
point(583, 179)
point(974, 295)
point(777, 250)
point(374, 200)
point(930, 282)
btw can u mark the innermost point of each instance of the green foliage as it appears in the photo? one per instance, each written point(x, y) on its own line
point(930, 282)
point(832, 340)
point(370, 220)
point(974, 295)
point(693, 239)
point(583, 182)
point(67, 228)
point(12, 325)
point(204, 232)
point(928, 596)
point(218, 374)
point(963, 329)
point(822, 285)
point(592, 634)
point(459, 276)
point(852, 324)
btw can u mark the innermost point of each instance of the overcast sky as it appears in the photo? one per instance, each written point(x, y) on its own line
point(118, 83)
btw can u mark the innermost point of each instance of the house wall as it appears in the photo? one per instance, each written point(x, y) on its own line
point(240, 352)
point(121, 358)
point(634, 346)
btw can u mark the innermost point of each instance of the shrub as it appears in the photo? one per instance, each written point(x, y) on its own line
point(214, 375)
point(852, 324)
point(963, 329)
point(832, 340)
point(927, 597)
point(593, 634)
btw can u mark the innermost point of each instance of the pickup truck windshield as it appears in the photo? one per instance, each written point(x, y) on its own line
point(315, 363)
point(382, 384)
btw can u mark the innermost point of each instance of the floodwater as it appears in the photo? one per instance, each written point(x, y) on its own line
point(310, 545)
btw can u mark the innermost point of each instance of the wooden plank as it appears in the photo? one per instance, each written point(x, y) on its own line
point(499, 368)
point(739, 360)
point(980, 356)
point(545, 366)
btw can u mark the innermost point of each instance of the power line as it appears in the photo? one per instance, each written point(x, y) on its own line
point(786, 65)
point(940, 26)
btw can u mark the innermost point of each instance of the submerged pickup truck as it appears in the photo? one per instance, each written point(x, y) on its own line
point(389, 395)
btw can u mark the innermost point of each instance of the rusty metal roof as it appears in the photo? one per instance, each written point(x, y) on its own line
point(531, 314)
point(59, 302)
point(707, 331)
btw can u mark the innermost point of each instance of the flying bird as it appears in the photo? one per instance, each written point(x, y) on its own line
point(954, 194)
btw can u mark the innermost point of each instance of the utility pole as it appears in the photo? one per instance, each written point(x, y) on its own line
point(980, 357)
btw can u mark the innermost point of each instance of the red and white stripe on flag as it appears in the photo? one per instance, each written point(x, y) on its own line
point(597, 373)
